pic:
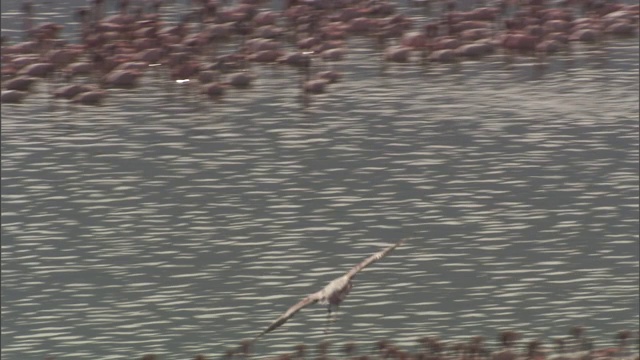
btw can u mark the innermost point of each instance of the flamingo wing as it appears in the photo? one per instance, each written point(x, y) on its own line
point(309, 300)
point(371, 259)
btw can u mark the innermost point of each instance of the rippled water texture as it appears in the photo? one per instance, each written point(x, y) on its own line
point(162, 222)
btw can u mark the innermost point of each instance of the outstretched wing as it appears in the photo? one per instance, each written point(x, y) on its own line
point(373, 258)
point(309, 300)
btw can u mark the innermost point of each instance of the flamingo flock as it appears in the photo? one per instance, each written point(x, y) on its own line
point(573, 347)
point(117, 50)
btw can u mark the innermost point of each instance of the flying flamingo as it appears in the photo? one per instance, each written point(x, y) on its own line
point(332, 294)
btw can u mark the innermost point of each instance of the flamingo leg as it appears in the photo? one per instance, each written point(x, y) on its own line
point(328, 324)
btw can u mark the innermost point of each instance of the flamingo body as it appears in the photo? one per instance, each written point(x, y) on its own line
point(333, 293)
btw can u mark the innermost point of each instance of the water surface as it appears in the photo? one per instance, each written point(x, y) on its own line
point(163, 222)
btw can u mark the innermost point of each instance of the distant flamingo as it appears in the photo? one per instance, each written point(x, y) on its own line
point(152, 55)
point(240, 80)
point(296, 59)
point(37, 70)
point(621, 28)
point(21, 83)
point(474, 50)
point(21, 61)
point(62, 57)
point(122, 78)
point(414, 40)
point(207, 76)
point(133, 65)
point(585, 35)
point(507, 340)
point(534, 350)
point(70, 91)
point(443, 56)
point(397, 53)
point(548, 47)
point(335, 54)
point(330, 75)
point(265, 56)
point(519, 42)
point(321, 349)
point(315, 86)
point(89, 98)
point(213, 89)
point(12, 96)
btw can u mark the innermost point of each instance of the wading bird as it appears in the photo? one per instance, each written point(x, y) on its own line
point(332, 294)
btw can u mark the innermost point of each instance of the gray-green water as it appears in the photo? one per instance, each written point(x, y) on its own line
point(163, 222)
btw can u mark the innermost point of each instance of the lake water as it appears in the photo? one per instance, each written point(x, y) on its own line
point(164, 222)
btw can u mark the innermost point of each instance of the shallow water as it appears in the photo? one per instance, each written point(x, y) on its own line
point(162, 222)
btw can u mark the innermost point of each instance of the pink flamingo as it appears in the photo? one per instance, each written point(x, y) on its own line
point(12, 96)
point(556, 25)
point(240, 80)
point(474, 34)
point(322, 349)
point(585, 35)
point(507, 339)
point(8, 71)
point(330, 75)
point(258, 44)
point(93, 97)
point(22, 61)
point(21, 83)
point(336, 54)
point(469, 24)
point(445, 42)
point(417, 40)
point(315, 86)
point(37, 70)
point(269, 32)
point(122, 78)
point(297, 59)
point(265, 56)
point(218, 31)
point(621, 28)
point(397, 53)
point(333, 294)
point(62, 57)
point(474, 50)
point(213, 89)
point(151, 56)
point(133, 65)
point(517, 41)
point(26, 47)
point(548, 46)
point(534, 350)
point(560, 38)
point(362, 25)
point(70, 91)
point(349, 349)
point(328, 45)
point(207, 76)
point(308, 42)
point(442, 56)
